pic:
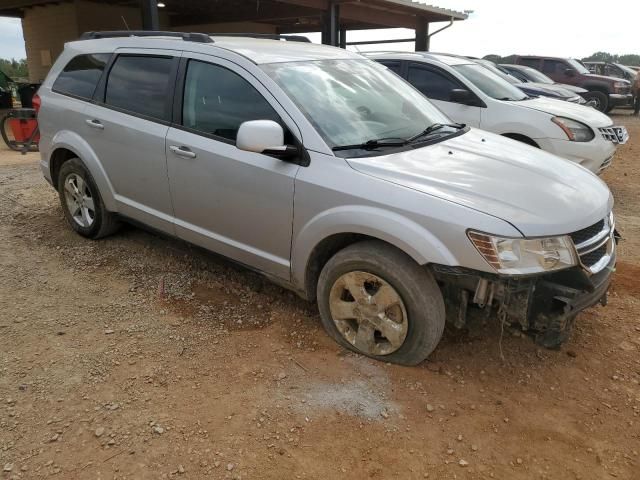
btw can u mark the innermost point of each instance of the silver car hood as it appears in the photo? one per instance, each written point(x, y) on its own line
point(537, 192)
point(587, 115)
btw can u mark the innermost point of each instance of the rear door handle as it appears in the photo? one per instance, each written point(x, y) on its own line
point(184, 152)
point(95, 124)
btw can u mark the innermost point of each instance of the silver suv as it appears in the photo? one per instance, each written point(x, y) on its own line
point(328, 173)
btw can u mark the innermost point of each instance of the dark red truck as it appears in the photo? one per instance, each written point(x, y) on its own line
point(606, 93)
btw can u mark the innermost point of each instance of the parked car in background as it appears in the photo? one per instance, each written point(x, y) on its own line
point(472, 94)
point(607, 92)
point(531, 75)
point(330, 175)
point(635, 68)
point(611, 70)
point(534, 89)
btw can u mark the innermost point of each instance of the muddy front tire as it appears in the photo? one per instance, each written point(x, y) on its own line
point(377, 301)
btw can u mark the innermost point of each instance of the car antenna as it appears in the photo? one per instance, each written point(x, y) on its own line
point(125, 22)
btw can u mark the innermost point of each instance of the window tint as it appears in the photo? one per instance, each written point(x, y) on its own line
point(81, 75)
point(530, 62)
point(554, 67)
point(434, 85)
point(394, 66)
point(217, 101)
point(141, 85)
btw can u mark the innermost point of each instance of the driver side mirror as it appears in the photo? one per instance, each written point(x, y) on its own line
point(264, 136)
point(461, 95)
point(570, 72)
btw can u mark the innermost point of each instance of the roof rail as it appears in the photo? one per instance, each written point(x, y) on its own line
point(187, 37)
point(266, 36)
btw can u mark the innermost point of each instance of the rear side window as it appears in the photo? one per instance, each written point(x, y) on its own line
point(141, 85)
point(434, 85)
point(217, 101)
point(554, 66)
point(394, 66)
point(530, 62)
point(81, 75)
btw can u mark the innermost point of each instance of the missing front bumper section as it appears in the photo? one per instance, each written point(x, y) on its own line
point(545, 306)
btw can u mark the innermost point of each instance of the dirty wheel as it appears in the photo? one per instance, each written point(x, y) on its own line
point(377, 301)
point(81, 202)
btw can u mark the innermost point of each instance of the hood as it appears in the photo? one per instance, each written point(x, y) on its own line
point(538, 193)
point(572, 88)
point(544, 90)
point(604, 78)
point(587, 115)
point(555, 90)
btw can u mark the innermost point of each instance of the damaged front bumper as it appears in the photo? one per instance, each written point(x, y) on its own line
point(544, 305)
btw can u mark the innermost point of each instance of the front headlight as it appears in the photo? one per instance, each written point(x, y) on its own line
point(576, 131)
point(620, 85)
point(523, 256)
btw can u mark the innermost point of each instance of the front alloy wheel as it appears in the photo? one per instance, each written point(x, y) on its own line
point(369, 313)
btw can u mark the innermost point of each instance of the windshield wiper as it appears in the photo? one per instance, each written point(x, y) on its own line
point(434, 128)
point(372, 145)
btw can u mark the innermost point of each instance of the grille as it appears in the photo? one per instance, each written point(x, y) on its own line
point(599, 238)
point(586, 233)
point(617, 135)
point(591, 258)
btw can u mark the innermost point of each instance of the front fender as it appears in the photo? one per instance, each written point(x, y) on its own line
point(75, 143)
point(395, 229)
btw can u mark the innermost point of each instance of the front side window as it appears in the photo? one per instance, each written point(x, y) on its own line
point(141, 85)
point(490, 83)
point(81, 75)
point(435, 85)
point(217, 101)
point(351, 102)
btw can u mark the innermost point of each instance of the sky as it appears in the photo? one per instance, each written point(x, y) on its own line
point(568, 28)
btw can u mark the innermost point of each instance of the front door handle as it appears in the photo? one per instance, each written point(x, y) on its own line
point(184, 152)
point(95, 124)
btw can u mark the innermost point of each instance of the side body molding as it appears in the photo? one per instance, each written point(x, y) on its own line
point(385, 225)
point(76, 144)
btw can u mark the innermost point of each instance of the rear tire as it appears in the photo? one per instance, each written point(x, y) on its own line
point(375, 300)
point(601, 99)
point(81, 202)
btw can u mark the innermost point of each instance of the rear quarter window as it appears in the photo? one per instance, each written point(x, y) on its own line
point(81, 75)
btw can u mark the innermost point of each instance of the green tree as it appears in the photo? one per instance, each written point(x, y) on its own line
point(14, 68)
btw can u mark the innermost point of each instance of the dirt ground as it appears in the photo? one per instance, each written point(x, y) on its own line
point(142, 357)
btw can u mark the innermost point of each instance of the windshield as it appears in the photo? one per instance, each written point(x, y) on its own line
point(624, 68)
point(490, 83)
point(352, 102)
point(578, 66)
point(509, 78)
point(536, 76)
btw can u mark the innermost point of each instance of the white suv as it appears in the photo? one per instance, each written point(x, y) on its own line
point(332, 176)
point(472, 94)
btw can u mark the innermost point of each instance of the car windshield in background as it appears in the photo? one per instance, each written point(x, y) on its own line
point(536, 76)
point(509, 78)
point(578, 66)
point(355, 102)
point(624, 68)
point(490, 83)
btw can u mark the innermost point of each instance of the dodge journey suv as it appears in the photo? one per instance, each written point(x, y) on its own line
point(331, 175)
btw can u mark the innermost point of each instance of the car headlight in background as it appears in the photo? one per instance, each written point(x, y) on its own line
point(523, 256)
point(576, 131)
point(620, 86)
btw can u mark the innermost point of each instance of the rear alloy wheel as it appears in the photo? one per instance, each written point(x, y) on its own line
point(375, 300)
point(81, 202)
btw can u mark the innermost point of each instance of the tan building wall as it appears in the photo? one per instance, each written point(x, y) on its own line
point(45, 31)
point(47, 28)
